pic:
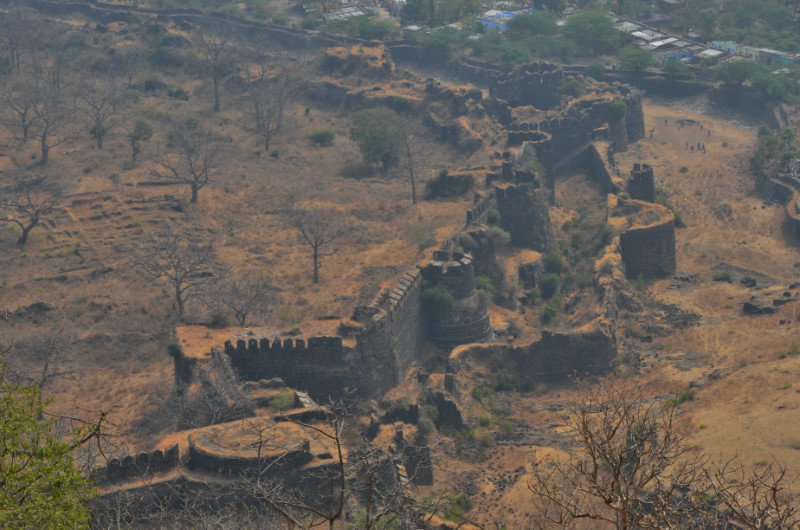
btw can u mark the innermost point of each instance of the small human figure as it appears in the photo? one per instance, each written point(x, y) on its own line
point(665, 122)
point(687, 145)
point(651, 134)
point(692, 148)
point(709, 133)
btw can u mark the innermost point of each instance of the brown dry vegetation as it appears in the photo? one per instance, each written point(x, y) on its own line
point(749, 409)
point(79, 260)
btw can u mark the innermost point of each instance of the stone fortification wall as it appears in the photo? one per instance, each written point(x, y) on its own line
point(559, 139)
point(218, 461)
point(634, 120)
point(557, 356)
point(463, 327)
point(479, 212)
point(793, 216)
point(536, 84)
point(649, 251)
point(525, 216)
point(598, 159)
point(136, 467)
point(324, 366)
point(554, 357)
point(396, 336)
point(453, 270)
point(642, 185)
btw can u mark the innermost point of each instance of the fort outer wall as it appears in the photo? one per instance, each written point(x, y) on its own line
point(649, 251)
point(324, 366)
point(134, 467)
point(555, 357)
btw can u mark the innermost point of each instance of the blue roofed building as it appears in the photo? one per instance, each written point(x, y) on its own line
point(494, 19)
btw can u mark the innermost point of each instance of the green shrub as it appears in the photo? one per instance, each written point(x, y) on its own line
point(633, 329)
point(554, 262)
point(459, 505)
point(549, 285)
point(722, 277)
point(484, 421)
point(482, 283)
point(493, 216)
point(549, 313)
point(619, 109)
point(283, 401)
point(312, 21)
point(437, 301)
point(595, 70)
point(425, 426)
point(219, 319)
point(133, 96)
point(178, 92)
point(274, 153)
point(680, 398)
point(279, 19)
point(322, 137)
point(174, 349)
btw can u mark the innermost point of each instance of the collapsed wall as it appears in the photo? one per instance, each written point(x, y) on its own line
point(555, 357)
point(525, 215)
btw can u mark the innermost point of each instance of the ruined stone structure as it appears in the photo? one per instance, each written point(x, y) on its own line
point(649, 250)
point(219, 460)
point(469, 320)
point(537, 84)
point(132, 467)
point(560, 138)
point(391, 339)
point(554, 357)
point(642, 185)
point(524, 214)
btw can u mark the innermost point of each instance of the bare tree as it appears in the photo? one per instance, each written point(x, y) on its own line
point(184, 264)
point(213, 42)
point(45, 356)
point(630, 468)
point(99, 103)
point(414, 151)
point(266, 93)
point(20, 31)
point(27, 200)
point(318, 229)
point(52, 109)
point(242, 294)
point(21, 101)
point(751, 498)
point(192, 158)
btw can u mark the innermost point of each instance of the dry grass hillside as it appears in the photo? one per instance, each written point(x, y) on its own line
point(79, 264)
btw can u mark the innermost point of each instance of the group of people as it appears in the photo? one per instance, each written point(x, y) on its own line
point(700, 147)
point(682, 123)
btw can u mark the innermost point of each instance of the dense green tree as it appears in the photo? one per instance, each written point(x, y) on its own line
point(556, 6)
point(40, 487)
point(529, 25)
point(378, 133)
point(674, 67)
point(635, 58)
point(593, 32)
point(734, 73)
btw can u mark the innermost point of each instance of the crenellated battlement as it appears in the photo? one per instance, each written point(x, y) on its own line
point(135, 467)
point(283, 346)
point(454, 270)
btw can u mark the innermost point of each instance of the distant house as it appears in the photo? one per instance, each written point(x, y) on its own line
point(494, 19)
point(712, 54)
